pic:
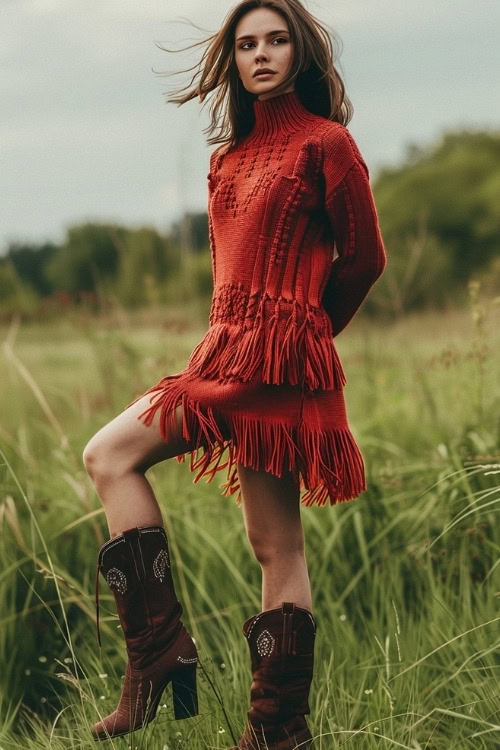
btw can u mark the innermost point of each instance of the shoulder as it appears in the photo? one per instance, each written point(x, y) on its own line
point(340, 150)
point(217, 153)
point(215, 161)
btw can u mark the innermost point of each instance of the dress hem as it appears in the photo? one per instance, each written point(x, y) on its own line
point(267, 445)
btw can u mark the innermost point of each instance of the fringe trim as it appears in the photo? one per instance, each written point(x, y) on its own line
point(309, 454)
point(290, 352)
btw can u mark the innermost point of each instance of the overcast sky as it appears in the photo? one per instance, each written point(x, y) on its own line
point(86, 133)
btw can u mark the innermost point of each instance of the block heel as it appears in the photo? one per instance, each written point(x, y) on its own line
point(185, 694)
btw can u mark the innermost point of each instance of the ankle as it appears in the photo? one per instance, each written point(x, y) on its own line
point(286, 583)
point(303, 602)
point(143, 522)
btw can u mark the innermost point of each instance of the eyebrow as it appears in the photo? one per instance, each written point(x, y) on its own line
point(270, 33)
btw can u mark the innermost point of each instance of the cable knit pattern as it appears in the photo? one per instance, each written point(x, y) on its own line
point(279, 202)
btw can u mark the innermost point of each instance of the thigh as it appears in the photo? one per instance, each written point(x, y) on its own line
point(271, 506)
point(130, 444)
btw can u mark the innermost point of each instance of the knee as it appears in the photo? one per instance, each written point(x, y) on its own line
point(92, 459)
point(270, 548)
point(101, 462)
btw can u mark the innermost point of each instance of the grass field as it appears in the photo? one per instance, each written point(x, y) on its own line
point(406, 584)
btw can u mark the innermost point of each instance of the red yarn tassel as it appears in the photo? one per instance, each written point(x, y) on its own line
point(205, 357)
point(249, 358)
point(290, 347)
point(271, 350)
point(327, 463)
point(289, 353)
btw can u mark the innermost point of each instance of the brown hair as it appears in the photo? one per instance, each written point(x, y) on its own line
point(316, 80)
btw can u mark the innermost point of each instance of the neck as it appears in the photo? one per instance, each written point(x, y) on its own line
point(280, 114)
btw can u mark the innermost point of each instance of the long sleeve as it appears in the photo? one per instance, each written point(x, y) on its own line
point(353, 216)
point(211, 186)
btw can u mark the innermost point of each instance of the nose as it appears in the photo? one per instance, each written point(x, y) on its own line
point(260, 54)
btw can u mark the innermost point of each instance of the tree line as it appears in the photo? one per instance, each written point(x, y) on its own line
point(439, 213)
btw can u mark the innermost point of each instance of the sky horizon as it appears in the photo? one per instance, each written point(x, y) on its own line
point(87, 134)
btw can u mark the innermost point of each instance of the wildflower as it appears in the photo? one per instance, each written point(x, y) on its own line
point(222, 666)
point(103, 676)
point(27, 672)
point(368, 691)
point(343, 617)
point(68, 660)
point(42, 659)
point(43, 700)
point(103, 698)
point(221, 730)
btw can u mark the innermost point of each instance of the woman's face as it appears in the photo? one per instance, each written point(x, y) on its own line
point(266, 44)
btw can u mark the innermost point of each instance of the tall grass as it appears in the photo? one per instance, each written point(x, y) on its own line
point(405, 578)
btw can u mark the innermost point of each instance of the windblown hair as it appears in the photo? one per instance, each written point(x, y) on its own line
point(316, 80)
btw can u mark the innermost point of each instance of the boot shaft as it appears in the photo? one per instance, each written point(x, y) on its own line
point(137, 568)
point(281, 643)
point(286, 630)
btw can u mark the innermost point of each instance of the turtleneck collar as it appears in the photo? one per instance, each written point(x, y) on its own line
point(280, 114)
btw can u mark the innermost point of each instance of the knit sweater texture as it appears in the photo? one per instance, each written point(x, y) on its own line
point(278, 204)
point(295, 247)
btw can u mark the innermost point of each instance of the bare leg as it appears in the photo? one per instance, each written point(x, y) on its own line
point(116, 459)
point(272, 519)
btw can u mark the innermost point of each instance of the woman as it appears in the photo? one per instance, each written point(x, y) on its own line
point(295, 246)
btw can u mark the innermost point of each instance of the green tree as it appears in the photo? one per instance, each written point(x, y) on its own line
point(440, 219)
point(452, 186)
point(191, 230)
point(15, 295)
point(147, 259)
point(88, 256)
point(30, 262)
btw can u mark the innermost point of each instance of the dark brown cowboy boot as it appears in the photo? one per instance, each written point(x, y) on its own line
point(281, 643)
point(136, 566)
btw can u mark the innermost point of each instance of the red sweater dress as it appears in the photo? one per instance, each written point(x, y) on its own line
point(264, 387)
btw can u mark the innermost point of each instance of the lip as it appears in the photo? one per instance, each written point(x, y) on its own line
point(263, 73)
